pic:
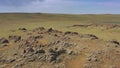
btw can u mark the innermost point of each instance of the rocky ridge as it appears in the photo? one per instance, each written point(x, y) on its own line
point(50, 48)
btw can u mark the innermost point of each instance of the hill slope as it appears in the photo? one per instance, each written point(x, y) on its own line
point(12, 21)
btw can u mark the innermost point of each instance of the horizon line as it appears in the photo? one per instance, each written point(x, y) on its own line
point(59, 13)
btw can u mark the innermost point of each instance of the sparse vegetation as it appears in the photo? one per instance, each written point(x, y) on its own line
point(59, 41)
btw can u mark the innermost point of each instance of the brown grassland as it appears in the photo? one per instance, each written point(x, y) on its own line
point(94, 42)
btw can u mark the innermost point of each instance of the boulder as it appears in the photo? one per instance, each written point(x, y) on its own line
point(89, 36)
point(67, 44)
point(54, 53)
point(115, 42)
point(73, 33)
point(40, 51)
point(3, 41)
point(54, 31)
point(15, 38)
point(24, 29)
point(50, 30)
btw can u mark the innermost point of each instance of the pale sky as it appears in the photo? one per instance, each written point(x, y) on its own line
point(61, 6)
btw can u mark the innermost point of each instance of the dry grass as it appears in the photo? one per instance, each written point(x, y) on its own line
point(14, 21)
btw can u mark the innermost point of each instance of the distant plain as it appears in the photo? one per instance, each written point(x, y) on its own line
point(13, 21)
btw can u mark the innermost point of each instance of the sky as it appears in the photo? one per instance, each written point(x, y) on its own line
point(61, 6)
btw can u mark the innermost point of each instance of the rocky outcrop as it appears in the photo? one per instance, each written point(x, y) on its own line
point(4, 42)
point(89, 36)
point(52, 48)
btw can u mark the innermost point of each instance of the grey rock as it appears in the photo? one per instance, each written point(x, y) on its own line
point(54, 53)
point(15, 38)
point(40, 51)
point(24, 29)
point(50, 30)
point(3, 40)
point(69, 32)
point(115, 42)
point(90, 36)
